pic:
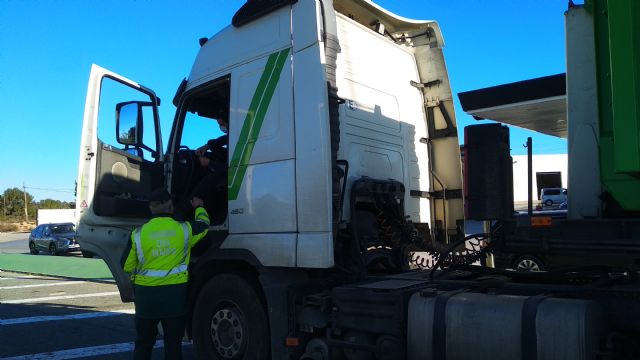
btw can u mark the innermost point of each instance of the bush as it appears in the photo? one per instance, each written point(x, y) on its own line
point(6, 227)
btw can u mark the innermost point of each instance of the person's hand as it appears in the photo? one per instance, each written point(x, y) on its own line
point(201, 150)
point(204, 161)
point(197, 202)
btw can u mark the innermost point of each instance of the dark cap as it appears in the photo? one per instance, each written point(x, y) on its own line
point(159, 195)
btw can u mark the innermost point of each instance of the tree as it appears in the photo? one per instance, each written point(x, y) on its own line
point(51, 204)
point(14, 208)
point(4, 207)
point(55, 204)
point(15, 203)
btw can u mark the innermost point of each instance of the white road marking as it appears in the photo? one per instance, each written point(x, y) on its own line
point(89, 315)
point(40, 285)
point(51, 298)
point(85, 352)
point(17, 278)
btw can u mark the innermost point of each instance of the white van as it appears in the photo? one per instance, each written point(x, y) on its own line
point(553, 196)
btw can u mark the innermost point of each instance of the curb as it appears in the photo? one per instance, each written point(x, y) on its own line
point(98, 280)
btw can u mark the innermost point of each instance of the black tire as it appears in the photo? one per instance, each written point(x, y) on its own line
point(528, 263)
point(229, 317)
point(53, 249)
point(87, 254)
point(32, 248)
point(548, 202)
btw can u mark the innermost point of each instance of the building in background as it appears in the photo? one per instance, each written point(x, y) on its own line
point(51, 216)
point(549, 171)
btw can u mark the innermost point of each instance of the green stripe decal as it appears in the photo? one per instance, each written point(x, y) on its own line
point(253, 121)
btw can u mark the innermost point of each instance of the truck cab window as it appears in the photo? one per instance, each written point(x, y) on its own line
point(129, 151)
point(201, 169)
point(113, 93)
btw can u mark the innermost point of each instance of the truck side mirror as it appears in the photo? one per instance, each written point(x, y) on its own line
point(129, 123)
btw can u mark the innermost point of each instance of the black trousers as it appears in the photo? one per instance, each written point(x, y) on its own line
point(212, 182)
point(147, 331)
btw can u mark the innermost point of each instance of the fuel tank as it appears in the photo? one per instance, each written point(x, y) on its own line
point(456, 325)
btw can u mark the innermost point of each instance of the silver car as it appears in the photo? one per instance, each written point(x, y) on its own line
point(53, 238)
point(553, 196)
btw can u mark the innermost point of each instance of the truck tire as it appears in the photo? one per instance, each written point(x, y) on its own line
point(549, 202)
point(229, 320)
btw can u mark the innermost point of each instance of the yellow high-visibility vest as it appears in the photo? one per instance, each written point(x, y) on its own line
point(160, 250)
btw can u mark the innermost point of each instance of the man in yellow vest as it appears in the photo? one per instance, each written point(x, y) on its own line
point(158, 263)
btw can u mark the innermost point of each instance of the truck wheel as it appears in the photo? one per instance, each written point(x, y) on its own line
point(528, 263)
point(548, 202)
point(32, 248)
point(229, 320)
point(53, 249)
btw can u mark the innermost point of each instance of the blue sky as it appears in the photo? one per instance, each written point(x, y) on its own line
point(47, 48)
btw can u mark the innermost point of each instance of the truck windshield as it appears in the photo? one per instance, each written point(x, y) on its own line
point(203, 110)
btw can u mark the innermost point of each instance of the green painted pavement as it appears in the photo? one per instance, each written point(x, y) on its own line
point(64, 266)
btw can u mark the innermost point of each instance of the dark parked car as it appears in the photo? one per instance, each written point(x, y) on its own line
point(562, 259)
point(53, 238)
point(520, 261)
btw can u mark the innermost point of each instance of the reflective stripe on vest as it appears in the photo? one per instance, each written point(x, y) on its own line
point(162, 273)
point(139, 246)
point(202, 217)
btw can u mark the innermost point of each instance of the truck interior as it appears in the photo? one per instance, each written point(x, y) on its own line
point(200, 115)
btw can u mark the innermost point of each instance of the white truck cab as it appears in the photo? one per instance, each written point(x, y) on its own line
point(341, 132)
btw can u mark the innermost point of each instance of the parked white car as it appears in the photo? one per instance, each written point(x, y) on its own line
point(553, 196)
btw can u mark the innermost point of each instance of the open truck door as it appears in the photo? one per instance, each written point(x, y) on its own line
point(120, 163)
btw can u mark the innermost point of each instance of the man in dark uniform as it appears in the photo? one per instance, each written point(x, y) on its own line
point(212, 188)
point(158, 263)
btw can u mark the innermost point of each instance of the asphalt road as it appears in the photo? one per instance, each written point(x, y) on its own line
point(46, 317)
point(14, 243)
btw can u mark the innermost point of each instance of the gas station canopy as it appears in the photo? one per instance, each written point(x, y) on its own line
point(538, 104)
